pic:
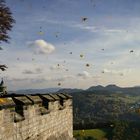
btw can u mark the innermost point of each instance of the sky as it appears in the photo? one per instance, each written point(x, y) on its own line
point(72, 44)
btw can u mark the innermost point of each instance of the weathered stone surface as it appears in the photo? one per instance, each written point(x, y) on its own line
point(55, 124)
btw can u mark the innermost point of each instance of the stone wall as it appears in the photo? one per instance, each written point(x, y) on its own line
point(36, 117)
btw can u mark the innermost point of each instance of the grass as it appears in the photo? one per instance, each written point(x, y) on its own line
point(98, 134)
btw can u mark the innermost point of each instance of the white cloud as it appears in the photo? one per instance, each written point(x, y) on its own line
point(120, 72)
point(61, 78)
point(106, 71)
point(36, 71)
point(28, 72)
point(41, 47)
point(37, 79)
point(84, 74)
point(57, 67)
point(99, 29)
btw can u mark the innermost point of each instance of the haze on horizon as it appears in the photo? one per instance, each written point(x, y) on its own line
point(72, 43)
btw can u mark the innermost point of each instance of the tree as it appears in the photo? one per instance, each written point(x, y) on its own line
point(6, 21)
point(6, 24)
point(126, 130)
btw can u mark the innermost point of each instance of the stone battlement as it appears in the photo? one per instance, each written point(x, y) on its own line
point(36, 117)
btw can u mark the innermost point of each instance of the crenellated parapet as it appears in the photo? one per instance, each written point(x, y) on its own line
point(38, 116)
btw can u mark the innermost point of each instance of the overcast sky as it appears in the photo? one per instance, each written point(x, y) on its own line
point(72, 43)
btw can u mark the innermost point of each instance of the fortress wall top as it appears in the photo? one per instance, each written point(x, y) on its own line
point(39, 116)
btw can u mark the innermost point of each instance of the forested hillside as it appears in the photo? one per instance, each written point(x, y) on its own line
point(105, 106)
point(116, 115)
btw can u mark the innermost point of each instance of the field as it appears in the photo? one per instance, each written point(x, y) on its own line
point(92, 134)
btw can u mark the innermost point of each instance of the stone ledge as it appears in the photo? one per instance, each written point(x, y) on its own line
point(12, 100)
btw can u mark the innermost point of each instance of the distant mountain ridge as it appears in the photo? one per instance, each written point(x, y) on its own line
point(116, 89)
point(96, 89)
point(70, 90)
point(33, 91)
point(108, 87)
